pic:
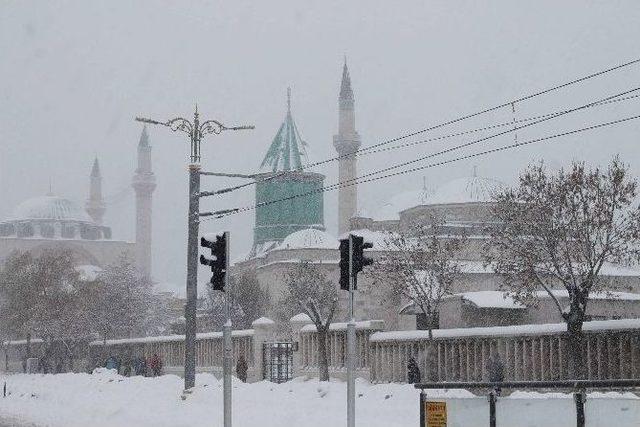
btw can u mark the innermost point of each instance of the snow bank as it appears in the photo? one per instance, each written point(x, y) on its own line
point(546, 328)
point(106, 399)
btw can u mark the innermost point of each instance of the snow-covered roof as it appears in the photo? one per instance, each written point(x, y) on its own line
point(50, 207)
point(491, 299)
point(471, 189)
point(309, 238)
point(517, 330)
point(300, 318)
point(608, 269)
point(262, 321)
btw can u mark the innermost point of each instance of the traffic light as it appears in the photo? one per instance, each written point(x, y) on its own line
point(218, 260)
point(358, 245)
point(359, 260)
point(344, 264)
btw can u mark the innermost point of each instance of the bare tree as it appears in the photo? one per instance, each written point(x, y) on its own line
point(558, 230)
point(420, 266)
point(308, 290)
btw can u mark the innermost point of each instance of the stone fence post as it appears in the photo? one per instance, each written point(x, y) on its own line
point(297, 322)
point(263, 331)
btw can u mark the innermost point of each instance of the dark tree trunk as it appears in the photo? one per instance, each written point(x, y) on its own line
point(323, 360)
point(575, 319)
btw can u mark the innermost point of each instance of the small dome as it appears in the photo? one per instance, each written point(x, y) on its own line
point(400, 202)
point(50, 207)
point(309, 238)
point(466, 190)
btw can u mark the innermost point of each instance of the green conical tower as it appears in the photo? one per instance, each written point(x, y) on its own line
point(281, 176)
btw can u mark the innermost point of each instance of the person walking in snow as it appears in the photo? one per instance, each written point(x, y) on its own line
point(155, 364)
point(413, 371)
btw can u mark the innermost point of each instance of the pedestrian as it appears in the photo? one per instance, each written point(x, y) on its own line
point(241, 369)
point(140, 366)
point(111, 363)
point(155, 364)
point(413, 371)
point(495, 368)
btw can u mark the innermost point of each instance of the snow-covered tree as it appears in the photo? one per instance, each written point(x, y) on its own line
point(248, 302)
point(419, 266)
point(42, 294)
point(308, 290)
point(559, 230)
point(120, 302)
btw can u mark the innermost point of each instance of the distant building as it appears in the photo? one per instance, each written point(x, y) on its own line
point(52, 222)
point(282, 178)
point(463, 205)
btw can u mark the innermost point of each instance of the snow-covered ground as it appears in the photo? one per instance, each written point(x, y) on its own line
point(106, 399)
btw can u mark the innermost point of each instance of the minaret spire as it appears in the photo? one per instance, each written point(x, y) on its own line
point(288, 100)
point(95, 205)
point(144, 182)
point(346, 142)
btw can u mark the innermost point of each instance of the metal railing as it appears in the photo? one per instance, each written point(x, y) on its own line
point(578, 387)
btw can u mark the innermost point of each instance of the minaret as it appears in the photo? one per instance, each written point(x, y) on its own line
point(144, 182)
point(94, 206)
point(347, 141)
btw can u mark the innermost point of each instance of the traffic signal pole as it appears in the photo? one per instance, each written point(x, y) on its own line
point(351, 345)
point(226, 338)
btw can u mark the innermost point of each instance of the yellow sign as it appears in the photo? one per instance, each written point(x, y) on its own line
point(436, 414)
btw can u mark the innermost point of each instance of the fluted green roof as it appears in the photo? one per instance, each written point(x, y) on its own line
point(287, 148)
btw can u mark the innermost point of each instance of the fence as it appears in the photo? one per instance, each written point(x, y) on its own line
point(528, 352)
point(170, 349)
point(209, 350)
point(307, 361)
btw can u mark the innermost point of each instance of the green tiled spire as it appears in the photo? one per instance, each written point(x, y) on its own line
point(287, 148)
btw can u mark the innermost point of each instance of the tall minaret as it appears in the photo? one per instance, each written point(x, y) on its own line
point(144, 182)
point(95, 206)
point(347, 141)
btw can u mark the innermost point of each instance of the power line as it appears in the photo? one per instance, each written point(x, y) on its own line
point(450, 122)
point(448, 150)
point(227, 212)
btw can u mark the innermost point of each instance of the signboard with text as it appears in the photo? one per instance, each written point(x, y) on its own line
point(435, 414)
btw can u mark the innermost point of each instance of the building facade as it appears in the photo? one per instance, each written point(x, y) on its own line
point(52, 222)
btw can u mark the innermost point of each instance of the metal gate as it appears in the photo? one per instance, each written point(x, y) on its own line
point(277, 361)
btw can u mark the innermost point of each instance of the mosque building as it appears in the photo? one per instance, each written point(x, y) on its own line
point(289, 232)
point(54, 222)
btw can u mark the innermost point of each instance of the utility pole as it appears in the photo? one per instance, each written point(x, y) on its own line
point(195, 130)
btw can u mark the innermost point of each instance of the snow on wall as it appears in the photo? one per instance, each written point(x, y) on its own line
point(172, 338)
point(549, 328)
point(342, 326)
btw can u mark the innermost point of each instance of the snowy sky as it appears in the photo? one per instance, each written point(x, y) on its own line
point(74, 74)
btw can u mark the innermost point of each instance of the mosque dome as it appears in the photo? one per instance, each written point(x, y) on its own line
point(400, 202)
point(309, 238)
point(50, 208)
point(473, 189)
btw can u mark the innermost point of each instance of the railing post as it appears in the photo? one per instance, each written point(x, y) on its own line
point(423, 414)
point(580, 397)
point(492, 408)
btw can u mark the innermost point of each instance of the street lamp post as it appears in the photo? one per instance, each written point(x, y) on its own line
point(196, 131)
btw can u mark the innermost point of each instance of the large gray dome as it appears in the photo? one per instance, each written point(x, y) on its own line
point(52, 208)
